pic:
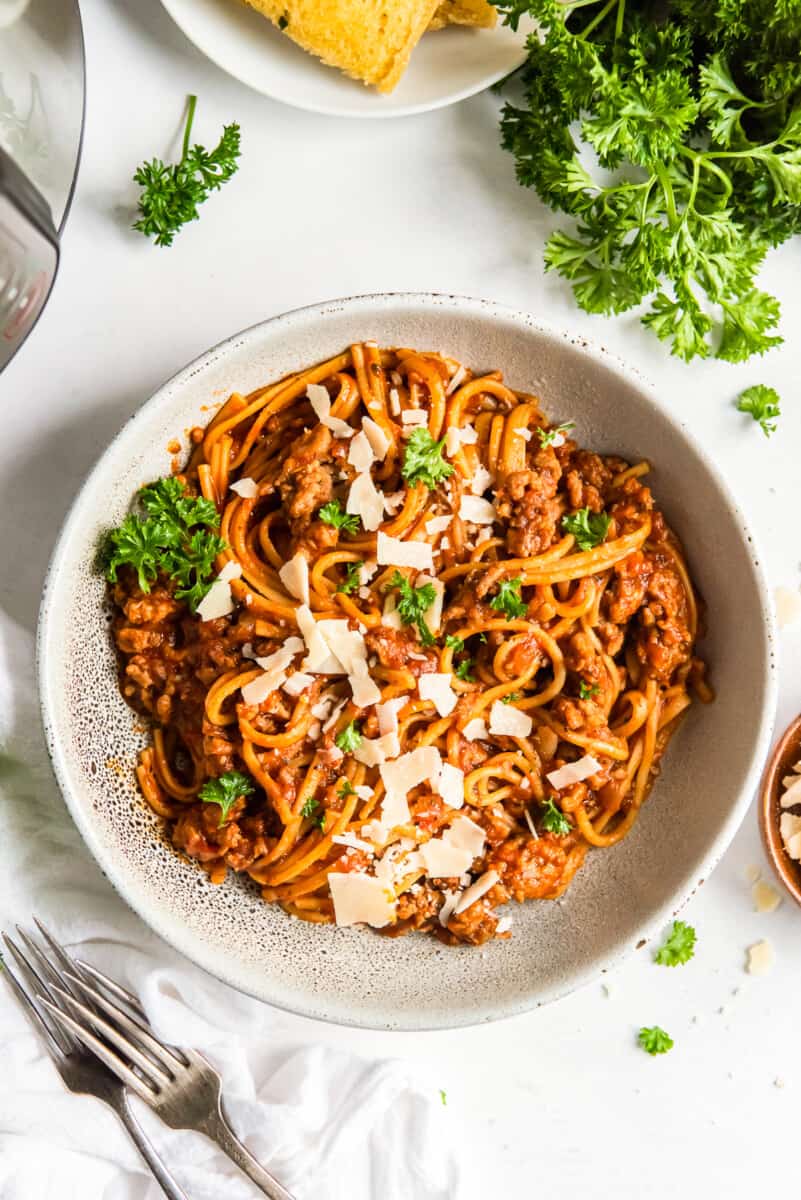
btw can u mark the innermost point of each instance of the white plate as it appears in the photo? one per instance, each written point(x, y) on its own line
point(446, 66)
point(620, 896)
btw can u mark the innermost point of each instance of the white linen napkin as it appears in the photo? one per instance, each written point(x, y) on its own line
point(330, 1125)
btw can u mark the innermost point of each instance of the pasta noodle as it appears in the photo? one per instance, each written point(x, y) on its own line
point(531, 653)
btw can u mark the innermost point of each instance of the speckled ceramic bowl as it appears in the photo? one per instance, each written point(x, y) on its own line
point(621, 895)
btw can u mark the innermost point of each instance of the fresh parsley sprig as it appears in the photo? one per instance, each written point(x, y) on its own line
point(350, 738)
point(352, 580)
point(654, 1040)
point(177, 538)
point(464, 670)
point(588, 528)
point(553, 819)
point(225, 790)
point(413, 604)
point(693, 113)
point(586, 690)
point(508, 599)
point(678, 947)
point(333, 513)
point(762, 403)
point(172, 193)
point(423, 461)
point(555, 436)
point(310, 805)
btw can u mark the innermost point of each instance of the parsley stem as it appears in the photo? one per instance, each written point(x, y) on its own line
point(667, 190)
point(596, 20)
point(190, 116)
point(621, 9)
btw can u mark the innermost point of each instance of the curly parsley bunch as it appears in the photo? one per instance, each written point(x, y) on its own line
point(671, 132)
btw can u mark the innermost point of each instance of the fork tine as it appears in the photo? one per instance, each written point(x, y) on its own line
point(114, 989)
point(50, 976)
point(115, 1064)
point(53, 1046)
point(163, 1054)
point(65, 960)
point(29, 972)
point(154, 1072)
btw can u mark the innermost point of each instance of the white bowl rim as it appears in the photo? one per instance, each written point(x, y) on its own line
point(177, 937)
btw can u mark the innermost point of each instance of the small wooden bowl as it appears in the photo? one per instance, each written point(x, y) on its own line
point(787, 752)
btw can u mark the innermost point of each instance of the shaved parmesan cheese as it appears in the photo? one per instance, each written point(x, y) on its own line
point(346, 645)
point(218, 601)
point(283, 656)
point(411, 769)
point(504, 925)
point(792, 794)
point(474, 730)
point(360, 900)
point(298, 683)
point(247, 650)
point(457, 378)
point(509, 721)
point(437, 688)
point(260, 688)
point(320, 401)
point(476, 891)
point(477, 510)
point(394, 552)
point(467, 835)
point(468, 435)
point(481, 480)
point(453, 443)
point(450, 785)
point(387, 714)
point(414, 417)
point(331, 717)
point(394, 399)
point(295, 577)
point(766, 898)
point(790, 829)
point(231, 570)
point(394, 810)
point(446, 912)
point(379, 442)
point(366, 501)
point(525, 434)
point(360, 452)
point(483, 535)
point(317, 649)
point(365, 691)
point(573, 772)
point(367, 570)
point(393, 501)
point(530, 823)
point(443, 860)
point(390, 617)
point(439, 524)
point(760, 958)
point(355, 843)
point(247, 488)
point(375, 751)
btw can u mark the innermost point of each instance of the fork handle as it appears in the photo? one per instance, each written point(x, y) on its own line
point(218, 1129)
point(149, 1153)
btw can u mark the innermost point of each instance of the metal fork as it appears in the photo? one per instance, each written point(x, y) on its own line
point(181, 1087)
point(80, 1070)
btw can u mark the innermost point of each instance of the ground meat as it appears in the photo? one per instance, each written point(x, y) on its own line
point(536, 868)
point(396, 649)
point(135, 639)
point(627, 511)
point(527, 502)
point(306, 480)
point(627, 592)
point(663, 641)
point(477, 924)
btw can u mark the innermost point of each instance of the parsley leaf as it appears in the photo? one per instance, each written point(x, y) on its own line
point(345, 788)
point(464, 670)
point(589, 529)
point(225, 790)
point(654, 1040)
point(352, 580)
point(443, 1095)
point(508, 599)
point(413, 604)
point(555, 436)
point(332, 513)
point(586, 690)
point(350, 738)
point(691, 119)
point(321, 821)
point(762, 403)
point(553, 819)
point(310, 804)
point(423, 461)
point(454, 643)
point(511, 697)
point(171, 194)
point(678, 947)
point(176, 537)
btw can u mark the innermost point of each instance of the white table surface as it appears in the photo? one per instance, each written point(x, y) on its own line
point(559, 1102)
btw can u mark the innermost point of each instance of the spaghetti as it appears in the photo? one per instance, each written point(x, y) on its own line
point(444, 654)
